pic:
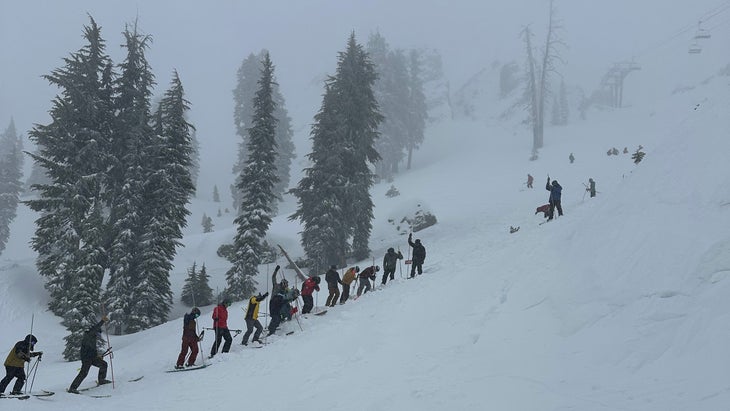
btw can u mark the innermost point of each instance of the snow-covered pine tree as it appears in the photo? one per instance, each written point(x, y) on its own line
point(564, 104)
point(360, 116)
point(392, 94)
point(196, 291)
point(243, 95)
point(73, 148)
point(321, 191)
point(11, 172)
point(417, 106)
point(127, 176)
point(255, 184)
point(216, 194)
point(334, 196)
point(207, 224)
point(167, 192)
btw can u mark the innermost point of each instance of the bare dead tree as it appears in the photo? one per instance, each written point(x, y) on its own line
point(538, 75)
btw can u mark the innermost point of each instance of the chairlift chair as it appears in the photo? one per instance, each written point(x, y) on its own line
point(701, 33)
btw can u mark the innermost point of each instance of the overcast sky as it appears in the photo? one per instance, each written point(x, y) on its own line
point(206, 41)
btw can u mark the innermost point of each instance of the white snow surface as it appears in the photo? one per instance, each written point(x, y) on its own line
point(621, 304)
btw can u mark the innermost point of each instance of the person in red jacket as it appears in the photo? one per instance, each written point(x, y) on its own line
point(189, 339)
point(308, 287)
point(220, 326)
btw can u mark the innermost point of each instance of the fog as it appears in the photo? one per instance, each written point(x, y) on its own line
point(206, 42)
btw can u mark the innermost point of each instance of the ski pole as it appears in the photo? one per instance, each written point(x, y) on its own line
point(34, 369)
point(108, 344)
point(197, 330)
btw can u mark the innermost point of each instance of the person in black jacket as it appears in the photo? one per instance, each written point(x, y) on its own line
point(280, 308)
point(21, 353)
point(555, 194)
point(390, 262)
point(332, 277)
point(90, 356)
point(419, 256)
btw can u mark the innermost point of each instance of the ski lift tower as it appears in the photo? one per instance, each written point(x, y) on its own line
point(614, 80)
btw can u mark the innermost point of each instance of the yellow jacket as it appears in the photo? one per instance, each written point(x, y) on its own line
point(349, 276)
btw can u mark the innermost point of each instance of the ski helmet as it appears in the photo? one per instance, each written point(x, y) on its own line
point(333, 267)
point(195, 311)
point(30, 338)
point(317, 279)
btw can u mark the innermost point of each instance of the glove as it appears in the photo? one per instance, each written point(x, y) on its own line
point(36, 354)
point(278, 266)
point(266, 294)
point(410, 236)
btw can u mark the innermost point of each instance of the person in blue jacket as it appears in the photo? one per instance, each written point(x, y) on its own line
point(555, 192)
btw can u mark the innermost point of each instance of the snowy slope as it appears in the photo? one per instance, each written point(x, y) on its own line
point(620, 304)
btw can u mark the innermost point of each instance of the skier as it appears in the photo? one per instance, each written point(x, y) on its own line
point(571, 158)
point(365, 276)
point(21, 353)
point(279, 307)
point(333, 279)
point(591, 187)
point(309, 286)
point(555, 193)
point(390, 261)
point(90, 356)
point(419, 256)
point(347, 280)
point(252, 318)
point(529, 180)
point(189, 339)
point(220, 326)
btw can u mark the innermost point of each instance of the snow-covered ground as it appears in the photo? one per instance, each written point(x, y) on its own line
point(621, 304)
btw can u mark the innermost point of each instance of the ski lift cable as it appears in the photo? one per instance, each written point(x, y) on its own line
point(725, 6)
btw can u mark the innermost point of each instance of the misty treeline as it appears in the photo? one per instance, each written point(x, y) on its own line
point(11, 174)
point(119, 173)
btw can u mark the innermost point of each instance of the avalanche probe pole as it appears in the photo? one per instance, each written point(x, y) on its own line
point(197, 334)
point(108, 344)
point(32, 319)
point(34, 370)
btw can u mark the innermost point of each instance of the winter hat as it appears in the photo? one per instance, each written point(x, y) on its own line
point(333, 267)
point(195, 311)
point(30, 338)
point(226, 302)
point(418, 241)
point(391, 250)
point(317, 279)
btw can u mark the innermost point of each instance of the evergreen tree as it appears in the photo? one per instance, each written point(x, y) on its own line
point(128, 173)
point(417, 107)
point(334, 198)
point(73, 150)
point(207, 224)
point(256, 183)
point(564, 105)
point(196, 291)
point(11, 170)
point(392, 94)
point(166, 194)
point(216, 195)
point(243, 95)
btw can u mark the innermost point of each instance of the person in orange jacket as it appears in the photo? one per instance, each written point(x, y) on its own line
point(347, 279)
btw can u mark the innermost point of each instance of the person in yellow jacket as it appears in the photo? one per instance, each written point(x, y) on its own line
point(252, 318)
point(18, 356)
point(347, 279)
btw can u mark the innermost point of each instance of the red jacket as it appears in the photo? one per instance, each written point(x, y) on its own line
point(309, 286)
point(220, 316)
